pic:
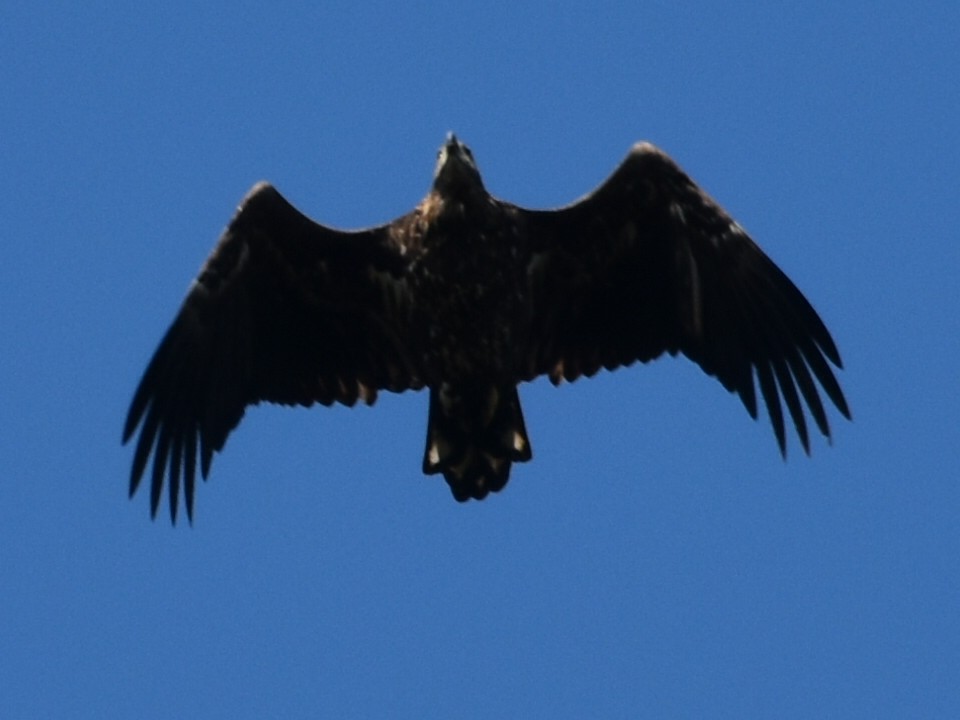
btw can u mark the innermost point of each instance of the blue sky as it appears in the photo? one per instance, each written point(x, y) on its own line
point(657, 558)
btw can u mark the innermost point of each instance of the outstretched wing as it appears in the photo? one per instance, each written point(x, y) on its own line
point(284, 311)
point(648, 263)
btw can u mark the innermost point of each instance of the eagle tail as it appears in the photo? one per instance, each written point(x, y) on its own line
point(474, 434)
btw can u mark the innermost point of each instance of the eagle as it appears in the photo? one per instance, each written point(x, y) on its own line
point(468, 296)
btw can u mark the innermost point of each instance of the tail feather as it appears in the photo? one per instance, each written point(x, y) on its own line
point(473, 437)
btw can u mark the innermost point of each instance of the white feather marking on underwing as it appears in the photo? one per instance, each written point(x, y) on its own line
point(676, 209)
point(736, 228)
point(366, 393)
point(558, 372)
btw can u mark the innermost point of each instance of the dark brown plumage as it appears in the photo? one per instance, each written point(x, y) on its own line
point(468, 296)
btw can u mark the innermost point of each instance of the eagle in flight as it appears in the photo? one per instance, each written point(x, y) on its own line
point(468, 296)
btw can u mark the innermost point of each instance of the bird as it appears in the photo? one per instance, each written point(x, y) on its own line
point(468, 296)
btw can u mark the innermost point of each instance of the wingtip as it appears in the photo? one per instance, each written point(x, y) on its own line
point(844, 408)
point(135, 413)
point(134, 484)
point(782, 443)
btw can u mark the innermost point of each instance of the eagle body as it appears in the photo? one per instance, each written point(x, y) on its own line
point(469, 300)
point(469, 290)
point(468, 296)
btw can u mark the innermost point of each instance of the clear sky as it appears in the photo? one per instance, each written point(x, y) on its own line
point(657, 558)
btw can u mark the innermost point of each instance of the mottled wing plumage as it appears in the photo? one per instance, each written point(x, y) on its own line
point(284, 311)
point(648, 263)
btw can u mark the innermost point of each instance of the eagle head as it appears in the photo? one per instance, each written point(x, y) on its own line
point(456, 169)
